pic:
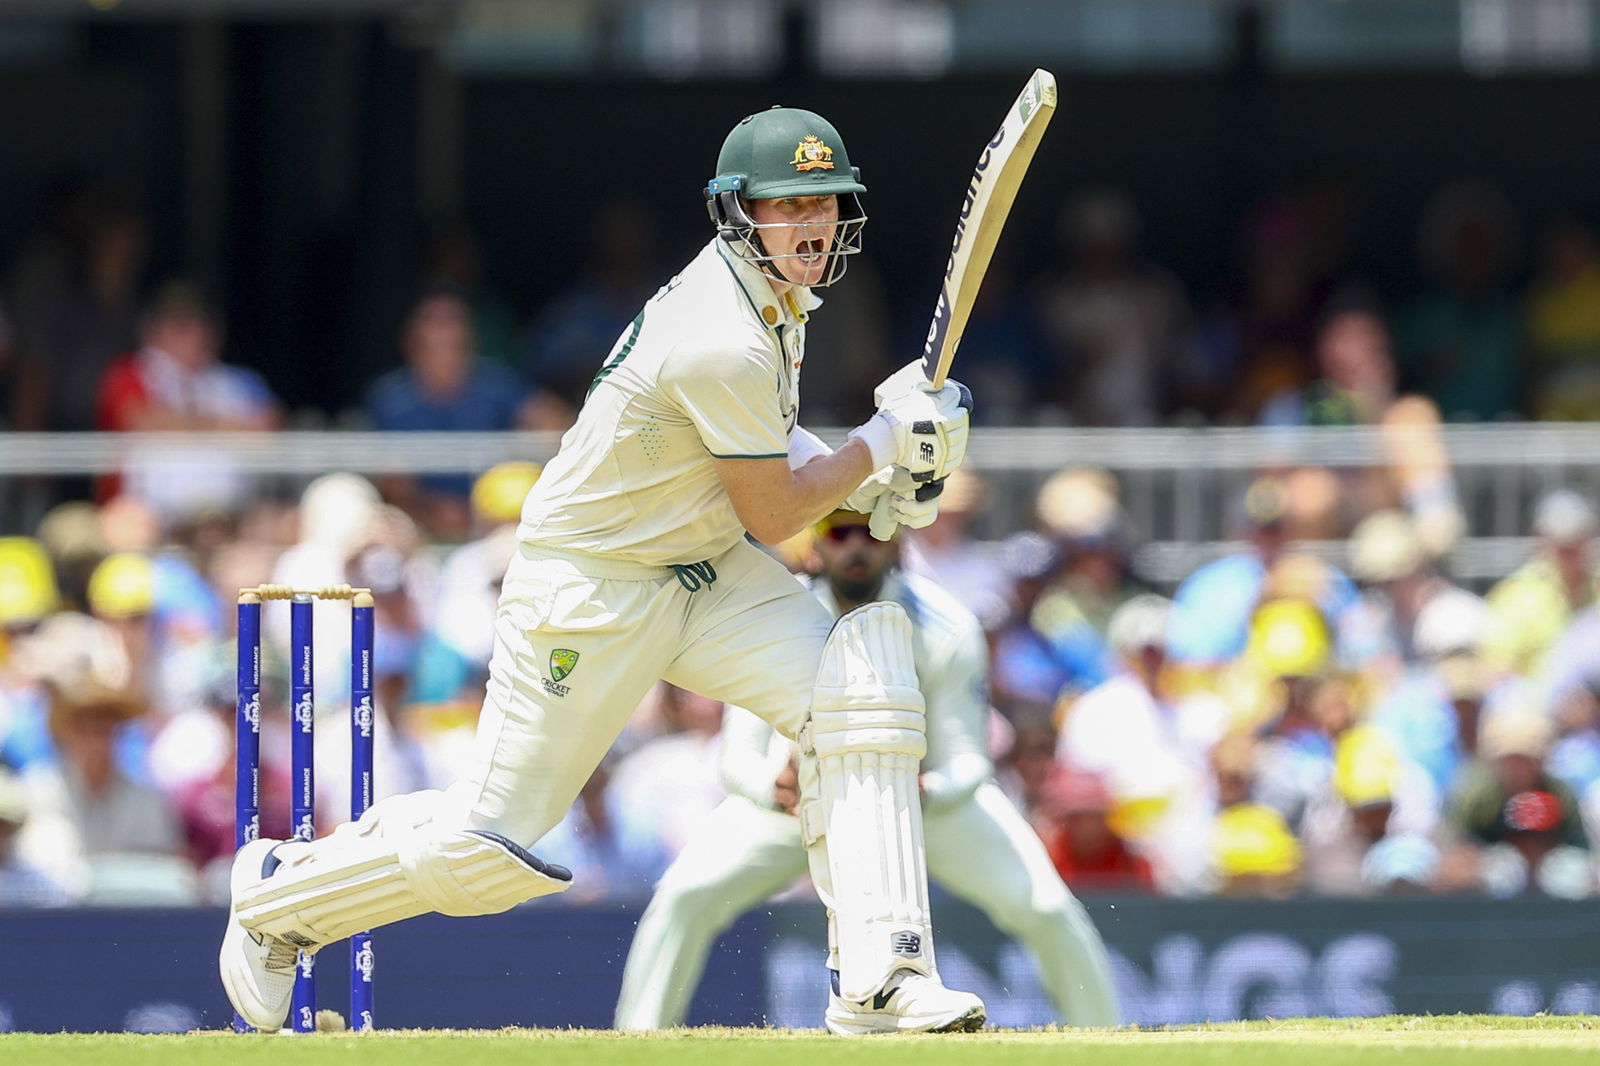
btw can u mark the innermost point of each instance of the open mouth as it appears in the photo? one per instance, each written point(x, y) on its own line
point(810, 252)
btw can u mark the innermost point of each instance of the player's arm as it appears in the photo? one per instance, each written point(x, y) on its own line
point(774, 502)
point(957, 692)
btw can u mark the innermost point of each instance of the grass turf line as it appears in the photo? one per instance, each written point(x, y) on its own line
point(1427, 1041)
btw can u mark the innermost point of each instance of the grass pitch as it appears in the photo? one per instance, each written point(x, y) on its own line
point(1466, 1039)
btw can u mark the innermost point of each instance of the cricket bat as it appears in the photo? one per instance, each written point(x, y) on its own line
point(990, 194)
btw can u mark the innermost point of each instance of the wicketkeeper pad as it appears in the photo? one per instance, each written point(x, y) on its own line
point(396, 862)
point(862, 815)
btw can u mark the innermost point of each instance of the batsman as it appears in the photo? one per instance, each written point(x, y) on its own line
point(634, 565)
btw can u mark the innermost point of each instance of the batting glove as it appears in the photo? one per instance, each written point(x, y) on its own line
point(905, 503)
point(867, 494)
point(922, 429)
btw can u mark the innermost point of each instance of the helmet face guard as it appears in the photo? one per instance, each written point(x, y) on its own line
point(729, 214)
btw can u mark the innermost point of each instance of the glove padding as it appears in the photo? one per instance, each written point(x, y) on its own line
point(918, 427)
point(903, 502)
point(867, 494)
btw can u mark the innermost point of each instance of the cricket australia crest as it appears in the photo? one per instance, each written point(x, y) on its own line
point(562, 663)
point(812, 154)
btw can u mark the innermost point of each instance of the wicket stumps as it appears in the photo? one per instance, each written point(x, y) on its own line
point(302, 701)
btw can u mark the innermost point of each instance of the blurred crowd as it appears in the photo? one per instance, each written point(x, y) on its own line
point(1284, 722)
point(1500, 319)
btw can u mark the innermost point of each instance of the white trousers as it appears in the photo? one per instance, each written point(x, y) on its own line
point(575, 652)
point(981, 850)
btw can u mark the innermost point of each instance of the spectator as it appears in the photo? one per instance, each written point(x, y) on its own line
point(567, 344)
point(1388, 558)
point(945, 552)
point(1118, 326)
point(455, 259)
point(27, 597)
point(1026, 663)
point(204, 795)
point(1460, 343)
point(1147, 747)
point(1563, 312)
point(443, 386)
point(1002, 356)
point(106, 836)
point(1253, 851)
point(1081, 511)
point(1087, 852)
point(1433, 713)
point(75, 300)
point(21, 883)
point(1356, 387)
point(460, 637)
point(1529, 610)
point(1214, 605)
point(1521, 824)
point(1371, 831)
point(174, 382)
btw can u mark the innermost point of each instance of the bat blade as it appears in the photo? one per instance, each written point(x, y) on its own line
point(990, 193)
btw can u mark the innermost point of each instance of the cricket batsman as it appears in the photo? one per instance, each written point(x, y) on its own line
point(979, 846)
point(633, 565)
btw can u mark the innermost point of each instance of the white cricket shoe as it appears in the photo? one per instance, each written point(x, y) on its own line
point(258, 971)
point(911, 1003)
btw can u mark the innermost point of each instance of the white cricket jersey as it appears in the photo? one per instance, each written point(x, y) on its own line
point(710, 368)
point(952, 661)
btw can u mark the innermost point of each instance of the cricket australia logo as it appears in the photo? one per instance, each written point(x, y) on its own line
point(562, 662)
point(304, 713)
point(252, 712)
point(812, 154)
point(364, 963)
point(364, 716)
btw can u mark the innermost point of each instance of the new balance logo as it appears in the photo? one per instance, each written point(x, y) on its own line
point(905, 943)
point(881, 1000)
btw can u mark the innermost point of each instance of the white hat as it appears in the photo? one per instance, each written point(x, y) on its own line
point(1451, 622)
point(1140, 623)
point(1385, 547)
point(1564, 515)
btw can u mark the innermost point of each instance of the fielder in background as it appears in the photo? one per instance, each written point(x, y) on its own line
point(979, 847)
point(632, 565)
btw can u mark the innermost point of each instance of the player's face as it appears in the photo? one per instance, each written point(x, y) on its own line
point(853, 561)
point(801, 233)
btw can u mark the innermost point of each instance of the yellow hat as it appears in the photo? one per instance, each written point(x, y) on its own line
point(1288, 638)
point(1249, 838)
point(27, 582)
point(123, 586)
point(498, 493)
point(1365, 767)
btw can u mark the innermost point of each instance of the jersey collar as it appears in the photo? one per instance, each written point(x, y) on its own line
point(792, 308)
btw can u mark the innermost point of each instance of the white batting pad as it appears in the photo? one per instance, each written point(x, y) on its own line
point(394, 863)
point(866, 740)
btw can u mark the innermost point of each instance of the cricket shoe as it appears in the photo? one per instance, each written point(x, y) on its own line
point(909, 1003)
point(258, 971)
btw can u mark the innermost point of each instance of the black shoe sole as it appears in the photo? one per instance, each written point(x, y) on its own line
point(969, 1022)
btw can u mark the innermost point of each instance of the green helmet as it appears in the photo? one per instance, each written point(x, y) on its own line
point(784, 151)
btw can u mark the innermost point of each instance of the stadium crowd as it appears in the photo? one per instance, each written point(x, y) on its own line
point(1281, 723)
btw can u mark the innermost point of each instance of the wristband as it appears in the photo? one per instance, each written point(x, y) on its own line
point(878, 436)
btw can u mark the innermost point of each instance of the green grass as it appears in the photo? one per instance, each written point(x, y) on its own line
point(1474, 1039)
